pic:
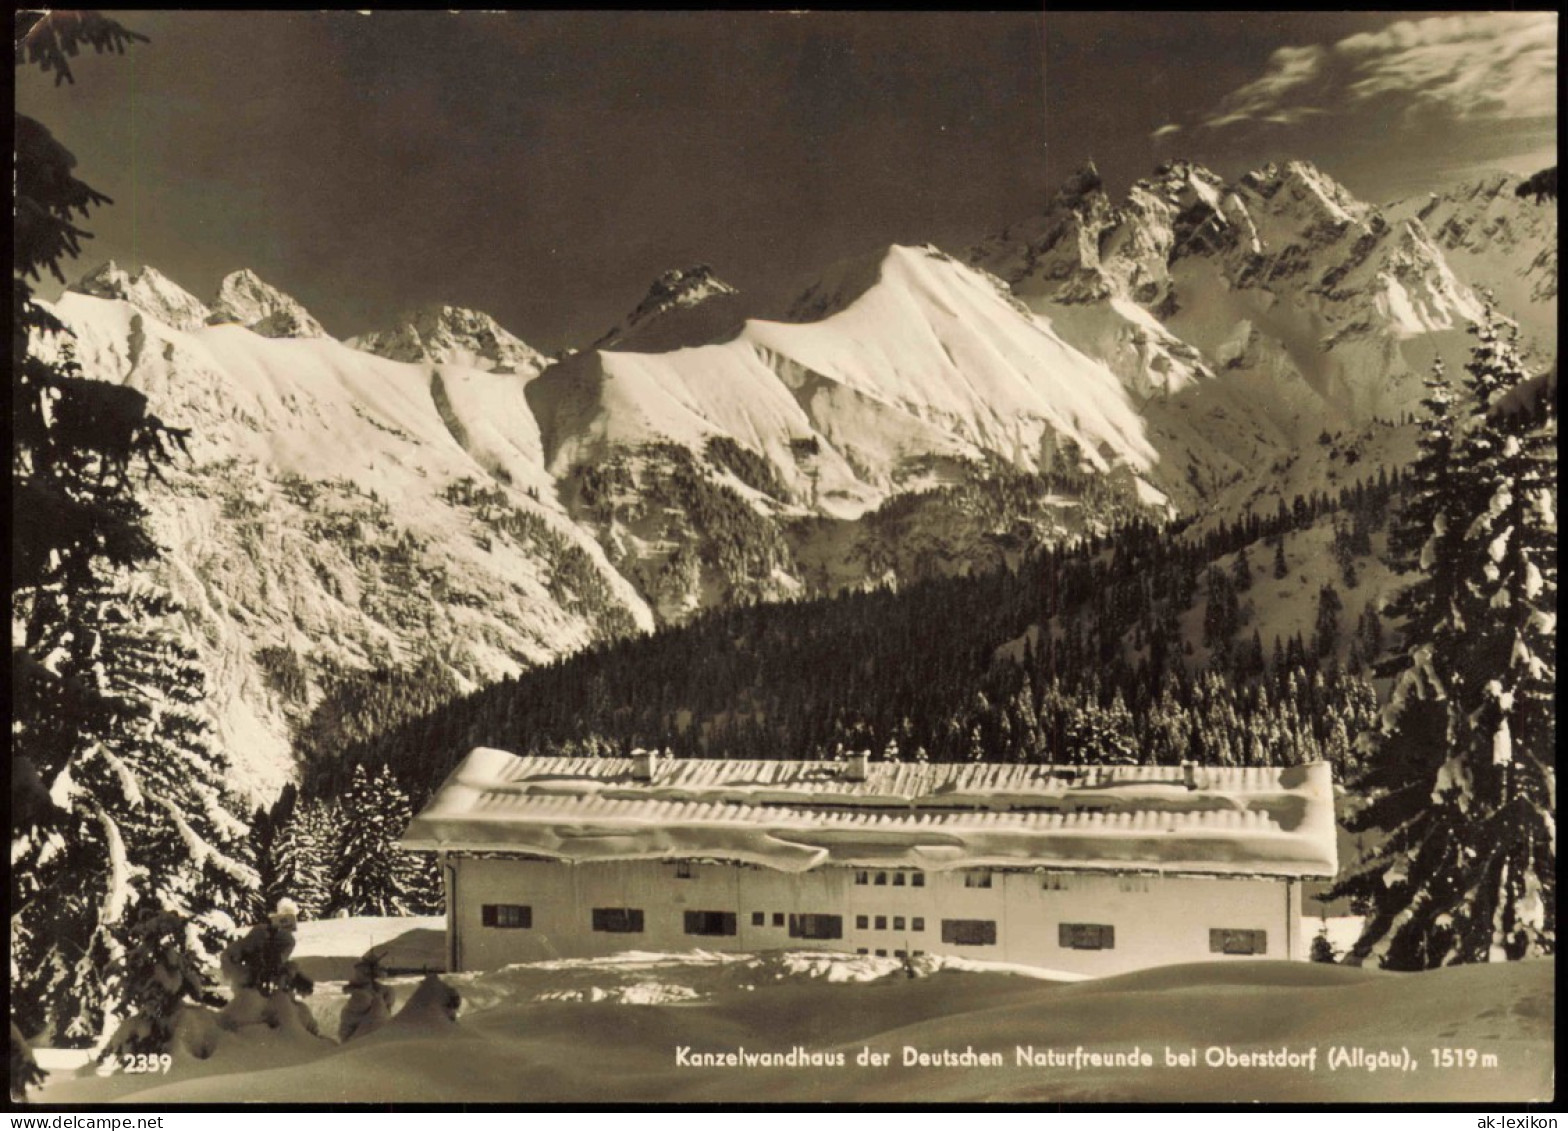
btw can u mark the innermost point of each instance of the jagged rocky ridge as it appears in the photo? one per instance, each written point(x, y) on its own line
point(439, 495)
point(1261, 314)
point(454, 336)
point(244, 299)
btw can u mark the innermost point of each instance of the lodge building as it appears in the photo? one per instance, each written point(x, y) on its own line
point(1088, 869)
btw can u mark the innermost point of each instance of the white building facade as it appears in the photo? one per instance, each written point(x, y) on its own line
point(1094, 870)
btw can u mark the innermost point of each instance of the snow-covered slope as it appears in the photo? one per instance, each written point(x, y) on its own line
point(343, 512)
point(792, 1028)
point(451, 335)
point(913, 372)
point(915, 357)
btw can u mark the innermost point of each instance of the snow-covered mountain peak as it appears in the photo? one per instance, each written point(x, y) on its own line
point(1082, 183)
point(683, 307)
point(683, 288)
point(901, 266)
point(452, 335)
point(149, 291)
point(243, 297)
point(1179, 182)
point(1297, 201)
point(1500, 242)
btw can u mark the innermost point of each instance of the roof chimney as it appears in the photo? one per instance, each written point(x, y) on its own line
point(1189, 774)
point(644, 763)
point(856, 767)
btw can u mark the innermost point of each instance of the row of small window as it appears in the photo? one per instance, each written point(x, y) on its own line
point(975, 878)
point(629, 921)
point(978, 878)
point(896, 954)
point(955, 932)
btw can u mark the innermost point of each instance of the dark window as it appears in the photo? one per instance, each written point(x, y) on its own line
point(778, 918)
point(862, 922)
point(759, 918)
point(1087, 936)
point(899, 954)
point(816, 926)
point(969, 932)
point(862, 878)
point(618, 920)
point(977, 879)
point(861, 950)
point(917, 924)
point(1227, 941)
point(898, 922)
point(918, 880)
point(898, 879)
point(881, 954)
point(710, 922)
point(881, 922)
point(685, 870)
point(881, 880)
point(916, 953)
point(506, 915)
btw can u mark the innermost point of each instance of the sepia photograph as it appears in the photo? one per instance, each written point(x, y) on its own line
point(783, 558)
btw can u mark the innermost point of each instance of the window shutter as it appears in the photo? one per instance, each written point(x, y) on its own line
point(1226, 941)
point(1087, 936)
point(969, 932)
point(487, 915)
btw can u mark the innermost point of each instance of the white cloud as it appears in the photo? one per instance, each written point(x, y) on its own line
point(1499, 66)
point(1291, 69)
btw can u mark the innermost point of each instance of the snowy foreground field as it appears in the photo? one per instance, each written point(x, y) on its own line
point(783, 1027)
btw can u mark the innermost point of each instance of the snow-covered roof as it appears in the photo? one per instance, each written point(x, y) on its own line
point(1274, 821)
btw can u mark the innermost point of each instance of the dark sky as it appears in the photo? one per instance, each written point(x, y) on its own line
point(546, 167)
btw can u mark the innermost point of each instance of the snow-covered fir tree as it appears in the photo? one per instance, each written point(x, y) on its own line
point(296, 842)
point(141, 820)
point(372, 875)
point(303, 854)
point(1503, 713)
point(1461, 772)
point(162, 970)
